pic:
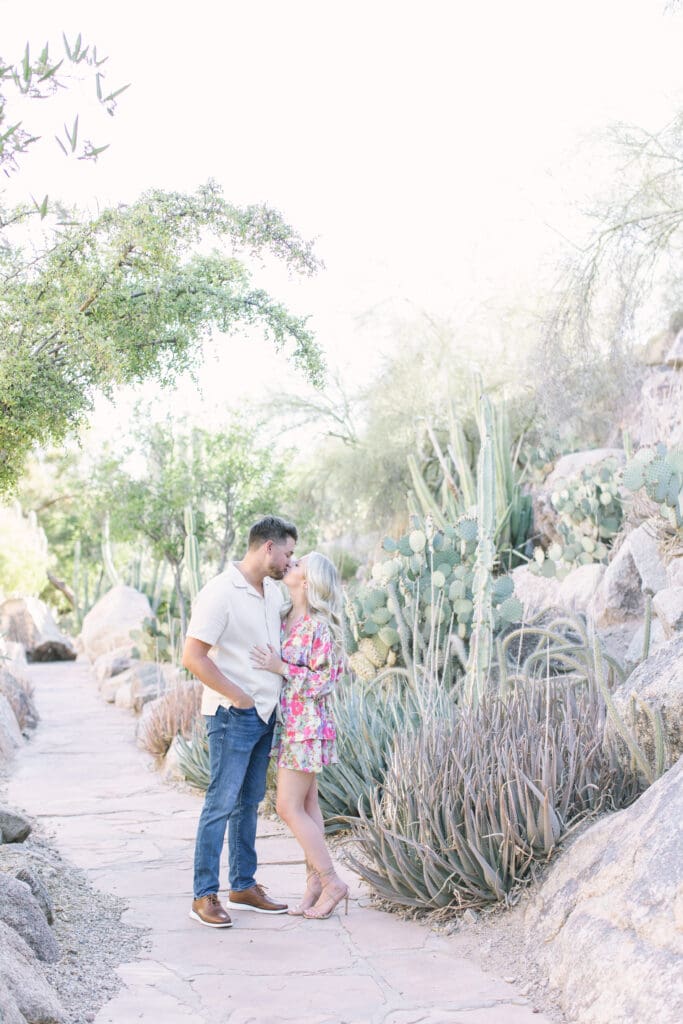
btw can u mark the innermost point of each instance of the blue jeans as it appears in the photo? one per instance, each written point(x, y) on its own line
point(239, 748)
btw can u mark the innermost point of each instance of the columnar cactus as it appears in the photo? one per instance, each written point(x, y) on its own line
point(481, 644)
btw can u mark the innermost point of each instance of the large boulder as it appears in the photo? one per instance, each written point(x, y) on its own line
point(10, 733)
point(111, 622)
point(636, 567)
point(28, 621)
point(25, 995)
point(607, 924)
point(19, 692)
point(20, 910)
point(657, 685)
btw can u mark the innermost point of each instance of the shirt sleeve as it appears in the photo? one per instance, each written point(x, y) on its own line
point(314, 678)
point(210, 614)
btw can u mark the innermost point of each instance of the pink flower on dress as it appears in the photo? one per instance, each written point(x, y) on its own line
point(296, 706)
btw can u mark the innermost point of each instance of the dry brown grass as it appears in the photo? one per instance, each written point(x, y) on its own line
point(173, 713)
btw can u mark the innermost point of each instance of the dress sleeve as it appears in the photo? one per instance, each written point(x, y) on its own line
point(315, 677)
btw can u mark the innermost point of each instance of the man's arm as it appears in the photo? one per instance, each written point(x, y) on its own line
point(197, 661)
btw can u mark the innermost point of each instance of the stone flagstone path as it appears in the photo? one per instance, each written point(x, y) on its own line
point(113, 816)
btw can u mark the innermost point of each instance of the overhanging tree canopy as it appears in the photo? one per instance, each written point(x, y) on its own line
point(130, 295)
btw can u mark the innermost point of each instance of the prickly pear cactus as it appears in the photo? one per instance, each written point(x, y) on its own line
point(660, 473)
point(590, 513)
point(421, 590)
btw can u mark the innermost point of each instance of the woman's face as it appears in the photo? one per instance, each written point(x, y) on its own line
point(295, 577)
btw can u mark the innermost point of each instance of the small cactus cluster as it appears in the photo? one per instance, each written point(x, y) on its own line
point(590, 512)
point(660, 473)
point(423, 589)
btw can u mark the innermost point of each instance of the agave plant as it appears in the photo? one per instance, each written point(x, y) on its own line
point(472, 799)
point(193, 756)
point(368, 719)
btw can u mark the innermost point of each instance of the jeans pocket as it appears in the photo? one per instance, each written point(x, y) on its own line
point(216, 723)
point(242, 711)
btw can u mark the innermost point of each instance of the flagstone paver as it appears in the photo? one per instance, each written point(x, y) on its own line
point(114, 817)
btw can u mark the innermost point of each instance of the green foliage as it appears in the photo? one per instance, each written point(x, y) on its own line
point(474, 796)
point(151, 642)
point(590, 512)
point(368, 720)
point(128, 296)
point(39, 78)
point(659, 473)
point(24, 556)
point(193, 756)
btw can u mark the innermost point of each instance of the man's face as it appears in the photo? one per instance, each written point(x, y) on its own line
point(279, 557)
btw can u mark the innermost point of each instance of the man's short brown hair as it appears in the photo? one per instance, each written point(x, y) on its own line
point(271, 528)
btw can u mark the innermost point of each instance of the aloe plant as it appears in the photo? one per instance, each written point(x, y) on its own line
point(472, 798)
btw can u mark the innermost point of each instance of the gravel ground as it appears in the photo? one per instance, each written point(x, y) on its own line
point(92, 938)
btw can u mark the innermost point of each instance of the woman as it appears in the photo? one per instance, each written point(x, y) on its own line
point(311, 663)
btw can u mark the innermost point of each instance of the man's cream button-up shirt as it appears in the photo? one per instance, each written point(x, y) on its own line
point(232, 616)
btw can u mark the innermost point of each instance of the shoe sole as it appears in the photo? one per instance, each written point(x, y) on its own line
point(256, 910)
point(208, 924)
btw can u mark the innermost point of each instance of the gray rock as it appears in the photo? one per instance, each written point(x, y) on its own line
point(579, 587)
point(112, 663)
point(39, 890)
point(657, 414)
point(674, 572)
point(15, 827)
point(139, 685)
point(20, 910)
point(29, 622)
point(20, 696)
point(657, 683)
point(648, 561)
point(110, 623)
point(10, 733)
point(25, 996)
point(607, 924)
point(674, 356)
point(637, 566)
point(668, 606)
point(634, 654)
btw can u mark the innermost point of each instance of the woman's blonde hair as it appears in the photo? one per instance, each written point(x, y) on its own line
point(325, 595)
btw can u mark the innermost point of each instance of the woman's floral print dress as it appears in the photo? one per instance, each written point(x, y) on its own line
point(305, 737)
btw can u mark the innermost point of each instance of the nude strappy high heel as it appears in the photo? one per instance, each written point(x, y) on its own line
point(322, 910)
point(311, 876)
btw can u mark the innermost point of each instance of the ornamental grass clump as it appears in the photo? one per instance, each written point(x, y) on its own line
point(173, 714)
point(477, 795)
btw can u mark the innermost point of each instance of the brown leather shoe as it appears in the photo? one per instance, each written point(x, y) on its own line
point(255, 899)
point(209, 911)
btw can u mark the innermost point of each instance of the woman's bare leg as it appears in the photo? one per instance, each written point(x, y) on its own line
point(295, 792)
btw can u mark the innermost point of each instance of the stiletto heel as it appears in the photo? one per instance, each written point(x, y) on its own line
point(324, 906)
point(311, 874)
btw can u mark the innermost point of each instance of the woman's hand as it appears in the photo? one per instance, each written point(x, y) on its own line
point(266, 659)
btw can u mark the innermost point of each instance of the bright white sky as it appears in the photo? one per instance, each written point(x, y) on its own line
point(431, 147)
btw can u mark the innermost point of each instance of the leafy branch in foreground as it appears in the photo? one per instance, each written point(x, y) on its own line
point(39, 78)
point(130, 295)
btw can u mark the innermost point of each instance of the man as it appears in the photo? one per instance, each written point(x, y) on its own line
point(235, 611)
